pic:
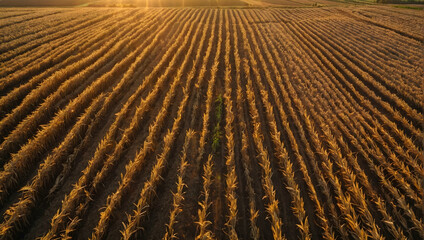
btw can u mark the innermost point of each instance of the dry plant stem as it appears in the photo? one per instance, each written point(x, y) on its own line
point(18, 215)
point(61, 84)
point(92, 172)
point(319, 101)
point(231, 178)
point(209, 97)
point(254, 230)
point(203, 212)
point(148, 191)
point(318, 104)
point(203, 223)
point(26, 156)
point(281, 152)
point(178, 196)
point(135, 166)
point(324, 223)
point(267, 184)
point(20, 93)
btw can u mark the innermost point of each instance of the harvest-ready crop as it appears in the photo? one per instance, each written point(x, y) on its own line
point(259, 122)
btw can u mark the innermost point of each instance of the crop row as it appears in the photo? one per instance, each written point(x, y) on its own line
point(321, 133)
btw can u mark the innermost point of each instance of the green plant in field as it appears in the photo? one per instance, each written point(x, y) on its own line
point(409, 7)
point(218, 111)
point(216, 137)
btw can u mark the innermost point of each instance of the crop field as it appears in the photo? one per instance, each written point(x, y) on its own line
point(212, 123)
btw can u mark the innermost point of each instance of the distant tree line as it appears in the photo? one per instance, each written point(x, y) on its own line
point(400, 1)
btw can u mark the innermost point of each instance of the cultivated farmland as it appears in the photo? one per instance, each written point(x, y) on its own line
point(212, 123)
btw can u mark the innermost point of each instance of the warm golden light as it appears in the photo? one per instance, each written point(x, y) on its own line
point(211, 119)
